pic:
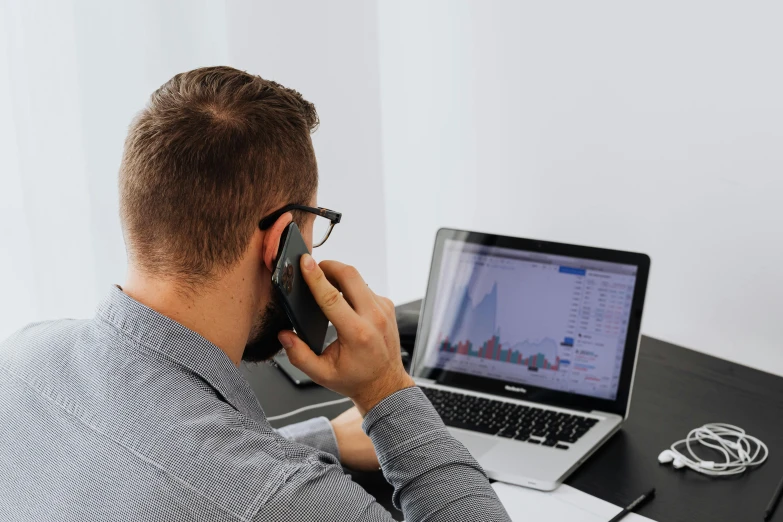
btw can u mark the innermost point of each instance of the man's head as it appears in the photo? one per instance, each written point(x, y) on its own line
point(213, 152)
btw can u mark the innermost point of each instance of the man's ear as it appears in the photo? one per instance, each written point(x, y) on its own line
point(271, 241)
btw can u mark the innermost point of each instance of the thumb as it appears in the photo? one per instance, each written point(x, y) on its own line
point(301, 355)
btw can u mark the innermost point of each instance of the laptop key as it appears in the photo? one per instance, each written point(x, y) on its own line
point(484, 428)
point(507, 433)
point(458, 424)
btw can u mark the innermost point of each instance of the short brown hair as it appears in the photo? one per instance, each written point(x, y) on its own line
point(214, 149)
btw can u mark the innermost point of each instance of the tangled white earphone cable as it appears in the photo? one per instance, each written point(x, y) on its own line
point(740, 450)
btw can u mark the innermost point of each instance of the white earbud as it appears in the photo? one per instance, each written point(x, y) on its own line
point(666, 457)
point(739, 450)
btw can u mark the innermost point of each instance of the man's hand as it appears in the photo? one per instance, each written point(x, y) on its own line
point(364, 362)
point(356, 449)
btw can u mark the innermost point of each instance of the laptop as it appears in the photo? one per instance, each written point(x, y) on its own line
point(528, 348)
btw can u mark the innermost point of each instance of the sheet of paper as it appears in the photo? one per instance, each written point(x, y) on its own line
point(565, 504)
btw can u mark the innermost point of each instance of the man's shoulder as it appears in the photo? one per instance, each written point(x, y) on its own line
point(160, 416)
point(39, 330)
point(35, 341)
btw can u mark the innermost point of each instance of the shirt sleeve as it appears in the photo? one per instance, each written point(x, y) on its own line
point(434, 477)
point(316, 433)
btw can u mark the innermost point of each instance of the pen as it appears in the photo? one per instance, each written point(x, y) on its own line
point(633, 505)
point(773, 503)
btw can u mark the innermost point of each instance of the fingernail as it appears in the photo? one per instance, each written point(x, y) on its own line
point(285, 340)
point(308, 262)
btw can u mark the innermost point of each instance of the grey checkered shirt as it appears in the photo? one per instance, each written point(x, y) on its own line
point(131, 416)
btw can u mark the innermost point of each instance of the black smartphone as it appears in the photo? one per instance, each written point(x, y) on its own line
point(308, 319)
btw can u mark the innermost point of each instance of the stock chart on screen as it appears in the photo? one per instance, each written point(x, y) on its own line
point(542, 320)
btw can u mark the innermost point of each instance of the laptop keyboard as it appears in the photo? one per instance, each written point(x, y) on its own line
point(505, 419)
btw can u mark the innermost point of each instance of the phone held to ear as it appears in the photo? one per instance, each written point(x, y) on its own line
point(308, 319)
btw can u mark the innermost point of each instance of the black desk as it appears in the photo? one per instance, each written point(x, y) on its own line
point(676, 390)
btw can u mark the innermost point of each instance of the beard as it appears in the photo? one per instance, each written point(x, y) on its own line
point(262, 343)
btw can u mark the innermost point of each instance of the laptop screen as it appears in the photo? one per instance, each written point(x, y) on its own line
point(531, 318)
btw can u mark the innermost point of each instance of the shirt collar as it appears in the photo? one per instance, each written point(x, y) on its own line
point(182, 346)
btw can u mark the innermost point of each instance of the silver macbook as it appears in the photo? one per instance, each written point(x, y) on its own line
point(528, 348)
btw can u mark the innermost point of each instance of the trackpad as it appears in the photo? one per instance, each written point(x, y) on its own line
point(476, 444)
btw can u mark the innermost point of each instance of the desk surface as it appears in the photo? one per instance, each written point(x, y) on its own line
point(676, 390)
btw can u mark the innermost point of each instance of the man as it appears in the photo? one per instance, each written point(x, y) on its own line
point(141, 413)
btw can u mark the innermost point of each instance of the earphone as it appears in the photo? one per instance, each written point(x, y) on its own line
point(740, 450)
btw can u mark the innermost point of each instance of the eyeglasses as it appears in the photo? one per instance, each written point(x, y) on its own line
point(325, 220)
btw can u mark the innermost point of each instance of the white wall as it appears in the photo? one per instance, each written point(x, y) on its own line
point(648, 126)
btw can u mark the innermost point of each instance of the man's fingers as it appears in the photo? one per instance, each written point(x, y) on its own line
point(302, 356)
point(334, 306)
point(351, 283)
